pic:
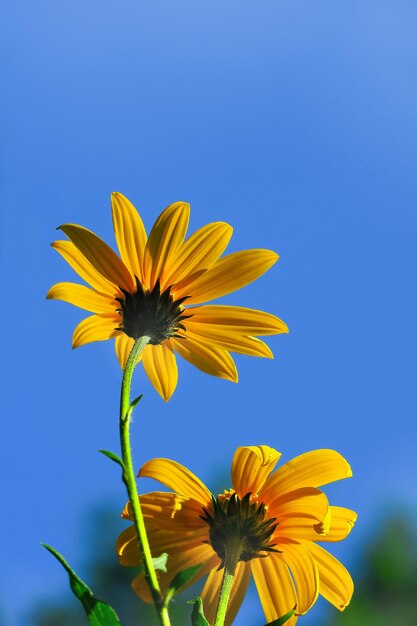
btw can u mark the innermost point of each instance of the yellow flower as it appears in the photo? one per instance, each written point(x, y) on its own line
point(274, 519)
point(154, 290)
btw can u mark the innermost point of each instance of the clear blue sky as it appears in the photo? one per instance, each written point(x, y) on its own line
point(293, 121)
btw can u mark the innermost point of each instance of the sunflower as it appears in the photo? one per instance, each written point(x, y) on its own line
point(154, 288)
point(271, 521)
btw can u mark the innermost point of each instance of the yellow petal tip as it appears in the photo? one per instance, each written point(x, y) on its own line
point(117, 195)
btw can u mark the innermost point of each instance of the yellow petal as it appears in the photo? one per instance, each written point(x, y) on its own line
point(275, 587)
point(166, 236)
point(250, 467)
point(209, 359)
point(79, 263)
point(177, 562)
point(211, 589)
point(237, 318)
point(129, 554)
point(300, 517)
point(127, 548)
point(336, 584)
point(304, 571)
point(83, 297)
point(199, 252)
point(178, 540)
point(164, 510)
point(307, 502)
point(229, 274)
point(322, 528)
point(162, 505)
point(311, 469)
point(174, 542)
point(123, 346)
point(95, 328)
point(100, 255)
point(173, 524)
point(161, 368)
point(129, 232)
point(178, 478)
point(341, 522)
point(232, 340)
point(175, 513)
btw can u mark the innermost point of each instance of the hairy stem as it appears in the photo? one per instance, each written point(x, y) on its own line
point(126, 410)
point(230, 563)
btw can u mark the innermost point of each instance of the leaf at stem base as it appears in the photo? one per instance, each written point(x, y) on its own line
point(98, 613)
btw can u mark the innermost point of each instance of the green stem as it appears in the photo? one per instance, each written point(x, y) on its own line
point(130, 481)
point(230, 563)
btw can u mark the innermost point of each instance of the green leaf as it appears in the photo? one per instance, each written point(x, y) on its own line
point(113, 457)
point(179, 581)
point(159, 563)
point(98, 613)
point(135, 402)
point(183, 577)
point(132, 406)
point(197, 616)
point(283, 619)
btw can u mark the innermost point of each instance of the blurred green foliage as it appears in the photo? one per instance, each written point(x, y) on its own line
point(386, 580)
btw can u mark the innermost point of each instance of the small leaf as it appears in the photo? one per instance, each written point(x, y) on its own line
point(179, 581)
point(197, 616)
point(280, 621)
point(159, 563)
point(183, 577)
point(132, 406)
point(98, 613)
point(135, 402)
point(113, 457)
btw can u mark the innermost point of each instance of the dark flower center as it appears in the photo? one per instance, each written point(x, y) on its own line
point(239, 522)
point(151, 313)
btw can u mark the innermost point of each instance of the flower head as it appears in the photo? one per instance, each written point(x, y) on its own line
point(269, 522)
point(155, 288)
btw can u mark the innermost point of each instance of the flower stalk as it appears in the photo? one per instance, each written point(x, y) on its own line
point(126, 408)
point(230, 563)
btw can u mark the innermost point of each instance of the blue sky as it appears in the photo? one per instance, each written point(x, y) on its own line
point(295, 123)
